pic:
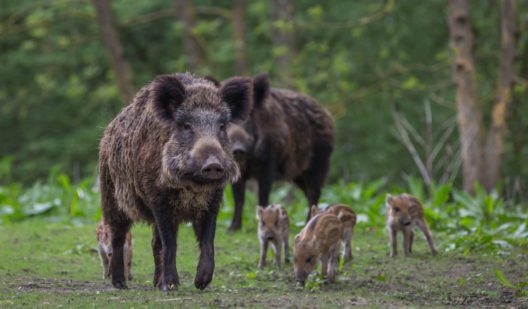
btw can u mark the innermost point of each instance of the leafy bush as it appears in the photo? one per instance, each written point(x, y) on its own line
point(57, 198)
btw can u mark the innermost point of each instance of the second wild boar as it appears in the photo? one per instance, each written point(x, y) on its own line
point(289, 136)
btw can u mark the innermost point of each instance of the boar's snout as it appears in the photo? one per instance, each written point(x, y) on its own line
point(269, 235)
point(212, 169)
point(300, 277)
point(405, 221)
point(239, 150)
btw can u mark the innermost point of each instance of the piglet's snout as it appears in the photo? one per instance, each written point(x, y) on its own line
point(212, 168)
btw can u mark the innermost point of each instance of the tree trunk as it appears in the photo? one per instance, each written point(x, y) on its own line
point(282, 13)
point(112, 44)
point(495, 144)
point(239, 29)
point(469, 114)
point(185, 13)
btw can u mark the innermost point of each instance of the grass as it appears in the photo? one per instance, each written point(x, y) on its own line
point(50, 264)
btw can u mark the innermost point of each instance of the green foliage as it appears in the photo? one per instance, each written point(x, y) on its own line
point(57, 89)
point(57, 198)
point(482, 223)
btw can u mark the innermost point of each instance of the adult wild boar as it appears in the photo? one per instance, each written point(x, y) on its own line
point(288, 137)
point(166, 159)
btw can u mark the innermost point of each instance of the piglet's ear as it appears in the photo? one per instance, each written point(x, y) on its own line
point(313, 211)
point(388, 199)
point(282, 212)
point(168, 94)
point(260, 210)
point(297, 239)
point(237, 93)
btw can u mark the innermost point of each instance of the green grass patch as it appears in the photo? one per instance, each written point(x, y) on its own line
point(55, 264)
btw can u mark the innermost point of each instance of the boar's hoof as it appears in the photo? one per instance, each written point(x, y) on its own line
point(120, 284)
point(169, 284)
point(203, 278)
point(165, 287)
point(234, 227)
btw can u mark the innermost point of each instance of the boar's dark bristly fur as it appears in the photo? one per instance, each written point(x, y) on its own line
point(292, 140)
point(166, 159)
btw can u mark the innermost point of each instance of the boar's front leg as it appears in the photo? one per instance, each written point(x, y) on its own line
point(167, 229)
point(239, 190)
point(205, 228)
point(117, 262)
point(156, 252)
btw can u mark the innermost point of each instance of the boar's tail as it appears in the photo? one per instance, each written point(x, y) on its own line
point(260, 89)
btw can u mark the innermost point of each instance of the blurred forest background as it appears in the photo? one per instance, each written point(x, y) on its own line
point(385, 69)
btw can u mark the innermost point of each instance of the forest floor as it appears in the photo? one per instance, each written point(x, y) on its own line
point(45, 264)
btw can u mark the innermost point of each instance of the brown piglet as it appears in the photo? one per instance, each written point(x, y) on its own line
point(403, 212)
point(274, 227)
point(348, 218)
point(319, 239)
point(105, 250)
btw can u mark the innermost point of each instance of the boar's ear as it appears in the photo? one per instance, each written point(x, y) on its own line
point(260, 89)
point(168, 93)
point(212, 80)
point(313, 211)
point(388, 199)
point(260, 210)
point(236, 92)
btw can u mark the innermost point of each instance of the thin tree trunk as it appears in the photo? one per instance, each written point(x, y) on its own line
point(239, 29)
point(185, 13)
point(282, 12)
point(469, 114)
point(112, 44)
point(495, 144)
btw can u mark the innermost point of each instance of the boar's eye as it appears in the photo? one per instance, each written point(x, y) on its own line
point(309, 260)
point(187, 126)
point(396, 209)
point(222, 126)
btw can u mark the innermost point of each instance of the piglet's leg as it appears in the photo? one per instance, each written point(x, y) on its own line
point(407, 241)
point(324, 264)
point(205, 229)
point(167, 230)
point(422, 225)
point(277, 252)
point(104, 262)
point(286, 244)
point(263, 253)
point(394, 241)
point(333, 263)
